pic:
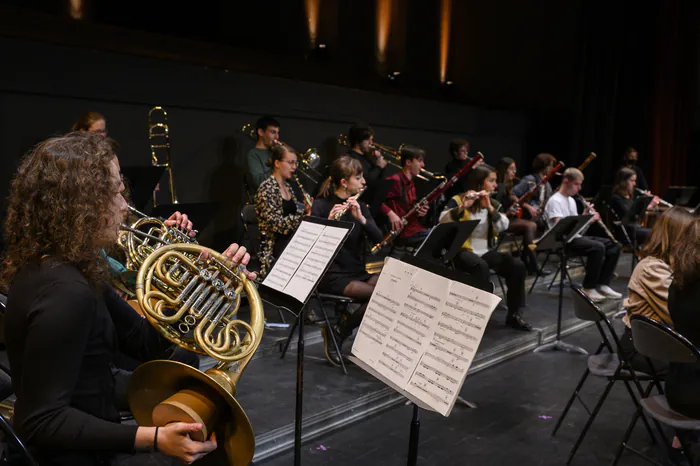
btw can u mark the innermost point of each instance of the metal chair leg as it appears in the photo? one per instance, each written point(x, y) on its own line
point(574, 395)
point(534, 282)
point(335, 342)
point(591, 418)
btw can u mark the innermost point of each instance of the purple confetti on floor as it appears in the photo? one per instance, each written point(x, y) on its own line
point(545, 417)
point(321, 447)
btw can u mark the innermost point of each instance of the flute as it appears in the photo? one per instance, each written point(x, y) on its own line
point(345, 208)
point(647, 193)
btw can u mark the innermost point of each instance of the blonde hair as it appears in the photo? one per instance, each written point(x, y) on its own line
point(573, 173)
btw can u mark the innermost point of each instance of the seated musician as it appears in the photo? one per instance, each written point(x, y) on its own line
point(402, 197)
point(347, 275)
point(267, 130)
point(621, 202)
point(93, 122)
point(651, 279)
point(63, 322)
point(683, 380)
point(459, 151)
point(602, 253)
point(278, 210)
point(629, 160)
point(479, 253)
point(533, 209)
point(505, 175)
point(360, 139)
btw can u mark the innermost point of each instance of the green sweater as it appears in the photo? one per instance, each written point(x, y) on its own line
point(257, 166)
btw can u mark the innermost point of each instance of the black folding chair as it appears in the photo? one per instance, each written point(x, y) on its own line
point(660, 342)
point(611, 365)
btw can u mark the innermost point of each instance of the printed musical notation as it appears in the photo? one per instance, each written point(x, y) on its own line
point(421, 332)
point(304, 260)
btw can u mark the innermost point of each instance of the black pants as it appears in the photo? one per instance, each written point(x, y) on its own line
point(602, 256)
point(505, 265)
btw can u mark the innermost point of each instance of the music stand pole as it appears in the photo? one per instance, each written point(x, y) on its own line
point(300, 392)
point(413, 439)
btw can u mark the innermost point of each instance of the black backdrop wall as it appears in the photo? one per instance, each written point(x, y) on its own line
point(49, 85)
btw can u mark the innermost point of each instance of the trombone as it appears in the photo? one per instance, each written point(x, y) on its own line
point(309, 161)
point(393, 157)
point(159, 139)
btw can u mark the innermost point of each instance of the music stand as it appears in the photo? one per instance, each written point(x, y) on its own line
point(296, 307)
point(554, 241)
point(680, 195)
point(142, 180)
point(470, 280)
point(452, 234)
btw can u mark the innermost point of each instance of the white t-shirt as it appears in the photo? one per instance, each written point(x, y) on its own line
point(559, 206)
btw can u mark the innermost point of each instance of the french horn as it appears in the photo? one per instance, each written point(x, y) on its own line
point(192, 295)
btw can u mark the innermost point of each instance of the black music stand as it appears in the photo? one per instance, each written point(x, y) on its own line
point(445, 240)
point(680, 195)
point(296, 308)
point(450, 274)
point(142, 180)
point(554, 241)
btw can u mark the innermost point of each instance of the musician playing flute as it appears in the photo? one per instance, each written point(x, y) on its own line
point(478, 253)
point(402, 197)
point(602, 253)
point(347, 275)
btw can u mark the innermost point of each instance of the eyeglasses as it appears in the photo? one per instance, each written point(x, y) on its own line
point(292, 163)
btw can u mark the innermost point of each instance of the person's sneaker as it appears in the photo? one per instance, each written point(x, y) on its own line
point(593, 295)
point(516, 321)
point(329, 348)
point(608, 292)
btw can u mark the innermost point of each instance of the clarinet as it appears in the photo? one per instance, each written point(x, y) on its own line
point(600, 221)
point(432, 195)
point(307, 198)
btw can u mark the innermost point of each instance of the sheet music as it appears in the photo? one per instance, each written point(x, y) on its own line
point(421, 332)
point(315, 262)
point(291, 258)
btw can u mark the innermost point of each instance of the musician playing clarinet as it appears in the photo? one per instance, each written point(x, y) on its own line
point(602, 253)
point(478, 252)
point(347, 275)
point(402, 197)
point(541, 167)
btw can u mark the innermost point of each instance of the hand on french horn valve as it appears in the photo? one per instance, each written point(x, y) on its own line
point(182, 222)
point(238, 256)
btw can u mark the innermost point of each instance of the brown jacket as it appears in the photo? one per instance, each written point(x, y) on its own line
point(648, 291)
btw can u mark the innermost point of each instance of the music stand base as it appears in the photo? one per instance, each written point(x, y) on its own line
point(561, 346)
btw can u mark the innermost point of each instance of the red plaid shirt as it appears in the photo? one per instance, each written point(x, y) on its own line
point(401, 198)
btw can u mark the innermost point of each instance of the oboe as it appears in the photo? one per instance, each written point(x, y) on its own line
point(345, 208)
point(600, 221)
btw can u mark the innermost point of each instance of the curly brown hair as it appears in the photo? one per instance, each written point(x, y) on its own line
point(57, 205)
point(86, 120)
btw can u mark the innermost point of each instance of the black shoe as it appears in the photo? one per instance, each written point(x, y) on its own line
point(516, 321)
point(329, 348)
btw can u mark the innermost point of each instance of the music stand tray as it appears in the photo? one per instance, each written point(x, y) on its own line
point(680, 195)
point(637, 210)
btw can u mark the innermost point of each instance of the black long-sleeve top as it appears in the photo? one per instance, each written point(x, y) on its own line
point(350, 259)
point(62, 336)
point(620, 205)
point(373, 175)
point(683, 380)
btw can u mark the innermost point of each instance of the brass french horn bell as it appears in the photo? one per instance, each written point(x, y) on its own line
point(191, 295)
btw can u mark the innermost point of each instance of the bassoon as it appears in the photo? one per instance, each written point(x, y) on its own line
point(432, 195)
point(517, 207)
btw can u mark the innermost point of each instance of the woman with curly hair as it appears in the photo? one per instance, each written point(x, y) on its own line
point(64, 324)
point(93, 122)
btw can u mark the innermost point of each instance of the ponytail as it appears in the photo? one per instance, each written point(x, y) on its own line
point(327, 188)
point(342, 168)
